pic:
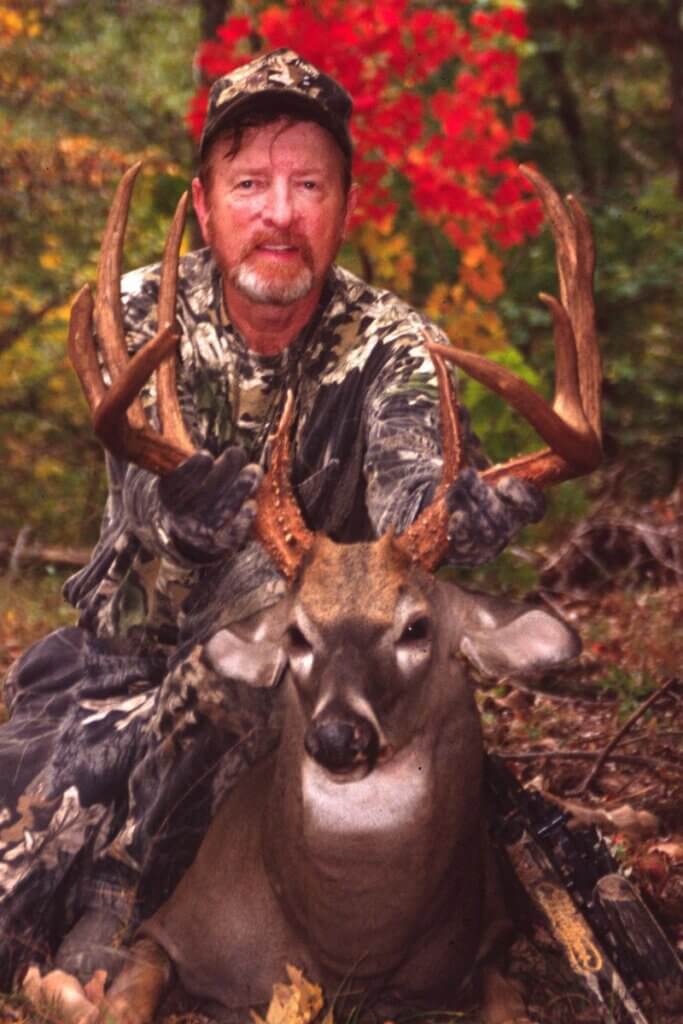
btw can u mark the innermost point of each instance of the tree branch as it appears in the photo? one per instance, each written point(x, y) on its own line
point(27, 319)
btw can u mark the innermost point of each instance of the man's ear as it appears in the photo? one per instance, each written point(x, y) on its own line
point(200, 201)
point(500, 637)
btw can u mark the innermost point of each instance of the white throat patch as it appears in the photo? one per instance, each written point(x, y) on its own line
point(392, 796)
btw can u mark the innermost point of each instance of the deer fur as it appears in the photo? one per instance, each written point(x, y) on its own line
point(368, 866)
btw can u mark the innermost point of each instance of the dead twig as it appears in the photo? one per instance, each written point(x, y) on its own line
point(628, 724)
point(651, 763)
point(18, 552)
point(21, 553)
point(562, 698)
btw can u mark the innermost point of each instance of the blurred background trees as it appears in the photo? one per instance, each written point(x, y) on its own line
point(589, 90)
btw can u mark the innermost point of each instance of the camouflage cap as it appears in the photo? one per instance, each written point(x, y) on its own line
point(281, 75)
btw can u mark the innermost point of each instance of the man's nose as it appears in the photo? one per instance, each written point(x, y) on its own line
point(279, 206)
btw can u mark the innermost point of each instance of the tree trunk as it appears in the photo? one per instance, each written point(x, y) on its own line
point(671, 39)
point(212, 14)
point(570, 118)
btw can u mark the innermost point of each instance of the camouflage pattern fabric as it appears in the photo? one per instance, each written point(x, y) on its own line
point(279, 74)
point(121, 741)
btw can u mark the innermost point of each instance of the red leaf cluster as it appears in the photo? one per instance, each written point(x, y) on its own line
point(436, 100)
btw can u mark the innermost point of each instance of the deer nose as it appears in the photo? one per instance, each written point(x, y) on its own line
point(340, 740)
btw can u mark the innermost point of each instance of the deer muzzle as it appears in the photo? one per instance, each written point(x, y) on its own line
point(341, 740)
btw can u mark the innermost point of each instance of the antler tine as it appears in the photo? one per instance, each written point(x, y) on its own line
point(572, 426)
point(426, 540)
point(590, 364)
point(170, 416)
point(279, 523)
point(108, 313)
point(119, 418)
point(575, 257)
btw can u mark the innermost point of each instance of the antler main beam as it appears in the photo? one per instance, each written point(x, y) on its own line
point(571, 426)
point(119, 419)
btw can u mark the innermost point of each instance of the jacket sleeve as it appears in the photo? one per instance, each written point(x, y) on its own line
point(403, 464)
point(139, 504)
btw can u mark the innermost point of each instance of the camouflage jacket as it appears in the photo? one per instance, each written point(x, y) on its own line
point(366, 442)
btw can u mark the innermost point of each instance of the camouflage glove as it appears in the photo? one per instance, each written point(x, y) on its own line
point(484, 518)
point(205, 505)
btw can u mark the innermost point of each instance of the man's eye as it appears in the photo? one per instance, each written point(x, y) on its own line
point(246, 184)
point(310, 186)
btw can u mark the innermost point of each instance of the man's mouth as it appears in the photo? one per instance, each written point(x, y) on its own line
point(278, 248)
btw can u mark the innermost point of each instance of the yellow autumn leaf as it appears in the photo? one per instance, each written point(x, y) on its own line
point(46, 468)
point(391, 257)
point(49, 259)
point(468, 323)
point(295, 1003)
point(417, 156)
point(13, 24)
point(437, 300)
point(57, 384)
point(385, 224)
point(484, 278)
point(474, 255)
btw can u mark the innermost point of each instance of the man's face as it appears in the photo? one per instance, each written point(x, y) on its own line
point(275, 213)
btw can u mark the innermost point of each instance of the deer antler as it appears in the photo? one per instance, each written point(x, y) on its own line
point(279, 524)
point(119, 419)
point(426, 540)
point(571, 427)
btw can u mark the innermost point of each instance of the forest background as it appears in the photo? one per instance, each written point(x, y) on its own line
point(591, 92)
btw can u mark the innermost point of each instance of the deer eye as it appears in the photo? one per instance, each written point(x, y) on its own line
point(297, 641)
point(416, 632)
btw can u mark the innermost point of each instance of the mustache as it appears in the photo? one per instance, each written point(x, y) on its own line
point(280, 238)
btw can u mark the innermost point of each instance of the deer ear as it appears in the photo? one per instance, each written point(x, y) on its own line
point(250, 651)
point(502, 637)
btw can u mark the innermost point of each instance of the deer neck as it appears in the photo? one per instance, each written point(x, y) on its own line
point(338, 854)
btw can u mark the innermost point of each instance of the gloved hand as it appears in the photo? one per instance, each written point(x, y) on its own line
point(206, 506)
point(483, 518)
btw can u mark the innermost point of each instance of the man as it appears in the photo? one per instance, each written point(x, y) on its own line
point(121, 739)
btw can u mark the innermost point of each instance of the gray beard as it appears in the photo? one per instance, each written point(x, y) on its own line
point(259, 288)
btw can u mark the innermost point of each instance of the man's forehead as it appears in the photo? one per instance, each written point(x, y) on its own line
point(304, 142)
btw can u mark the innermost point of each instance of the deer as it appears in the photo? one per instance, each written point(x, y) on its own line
point(359, 849)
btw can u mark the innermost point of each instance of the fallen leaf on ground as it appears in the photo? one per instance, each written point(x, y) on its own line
point(625, 819)
point(296, 1003)
point(61, 993)
point(672, 849)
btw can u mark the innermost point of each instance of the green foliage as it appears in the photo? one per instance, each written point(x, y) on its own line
point(630, 688)
point(30, 607)
point(503, 432)
point(74, 114)
point(599, 83)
